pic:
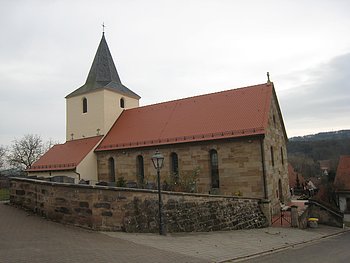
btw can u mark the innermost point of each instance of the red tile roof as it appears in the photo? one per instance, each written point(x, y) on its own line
point(65, 156)
point(342, 178)
point(227, 114)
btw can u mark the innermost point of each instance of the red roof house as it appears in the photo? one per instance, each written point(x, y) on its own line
point(293, 175)
point(342, 178)
point(342, 185)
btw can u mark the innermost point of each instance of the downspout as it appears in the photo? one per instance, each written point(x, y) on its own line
point(263, 167)
point(78, 175)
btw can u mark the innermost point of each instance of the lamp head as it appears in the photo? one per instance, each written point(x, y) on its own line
point(158, 160)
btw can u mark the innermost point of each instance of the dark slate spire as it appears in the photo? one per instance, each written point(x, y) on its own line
point(103, 68)
point(103, 74)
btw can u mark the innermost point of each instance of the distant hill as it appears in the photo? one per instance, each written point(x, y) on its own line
point(334, 135)
point(304, 152)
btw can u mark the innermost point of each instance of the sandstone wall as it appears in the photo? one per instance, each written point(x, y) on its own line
point(134, 210)
point(240, 165)
point(276, 169)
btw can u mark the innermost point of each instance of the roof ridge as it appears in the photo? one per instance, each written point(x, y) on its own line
point(80, 139)
point(198, 96)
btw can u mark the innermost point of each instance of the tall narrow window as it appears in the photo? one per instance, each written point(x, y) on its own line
point(280, 191)
point(140, 173)
point(282, 157)
point(174, 167)
point(214, 168)
point(111, 169)
point(85, 105)
point(272, 158)
point(122, 103)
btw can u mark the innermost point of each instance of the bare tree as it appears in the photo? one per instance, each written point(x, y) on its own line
point(49, 144)
point(24, 152)
point(2, 156)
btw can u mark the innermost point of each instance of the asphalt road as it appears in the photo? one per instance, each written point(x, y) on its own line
point(335, 249)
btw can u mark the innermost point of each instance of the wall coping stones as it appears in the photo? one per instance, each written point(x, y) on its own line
point(122, 189)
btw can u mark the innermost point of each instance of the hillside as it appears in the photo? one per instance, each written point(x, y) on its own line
point(334, 135)
point(304, 152)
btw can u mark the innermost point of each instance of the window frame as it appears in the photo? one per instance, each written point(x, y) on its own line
point(122, 103)
point(214, 168)
point(85, 105)
point(111, 170)
point(272, 157)
point(174, 166)
point(140, 169)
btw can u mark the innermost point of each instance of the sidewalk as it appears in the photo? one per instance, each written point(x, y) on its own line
point(25, 237)
point(229, 245)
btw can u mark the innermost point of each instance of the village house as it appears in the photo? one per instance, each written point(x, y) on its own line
point(342, 186)
point(296, 181)
point(231, 142)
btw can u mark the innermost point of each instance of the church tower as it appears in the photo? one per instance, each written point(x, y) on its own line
point(94, 107)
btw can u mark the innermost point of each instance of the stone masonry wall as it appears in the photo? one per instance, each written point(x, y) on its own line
point(240, 165)
point(134, 210)
point(278, 169)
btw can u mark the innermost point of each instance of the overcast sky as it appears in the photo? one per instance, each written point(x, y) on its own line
point(166, 50)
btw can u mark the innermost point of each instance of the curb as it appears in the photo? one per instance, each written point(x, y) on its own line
point(274, 250)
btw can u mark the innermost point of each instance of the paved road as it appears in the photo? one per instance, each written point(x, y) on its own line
point(25, 237)
point(334, 249)
point(28, 238)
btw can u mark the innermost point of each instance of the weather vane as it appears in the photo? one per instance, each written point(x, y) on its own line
point(103, 27)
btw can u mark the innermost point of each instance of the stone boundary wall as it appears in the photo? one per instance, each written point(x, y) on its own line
point(325, 215)
point(135, 210)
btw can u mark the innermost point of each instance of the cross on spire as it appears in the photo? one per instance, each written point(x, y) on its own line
point(103, 28)
point(268, 77)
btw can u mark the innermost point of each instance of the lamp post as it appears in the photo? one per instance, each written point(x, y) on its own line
point(158, 160)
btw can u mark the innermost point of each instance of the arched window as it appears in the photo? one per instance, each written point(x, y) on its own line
point(122, 103)
point(214, 168)
point(272, 157)
point(174, 166)
point(140, 173)
point(85, 105)
point(111, 169)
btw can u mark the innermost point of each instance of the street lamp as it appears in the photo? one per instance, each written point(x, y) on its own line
point(158, 160)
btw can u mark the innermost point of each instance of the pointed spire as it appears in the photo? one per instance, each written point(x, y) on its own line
point(103, 68)
point(103, 74)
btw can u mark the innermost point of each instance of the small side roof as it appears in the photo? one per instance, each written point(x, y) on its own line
point(65, 156)
point(342, 178)
point(227, 114)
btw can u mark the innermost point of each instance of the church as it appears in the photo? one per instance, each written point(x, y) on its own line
point(231, 142)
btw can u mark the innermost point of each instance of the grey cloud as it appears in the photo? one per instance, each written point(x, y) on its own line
point(324, 100)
